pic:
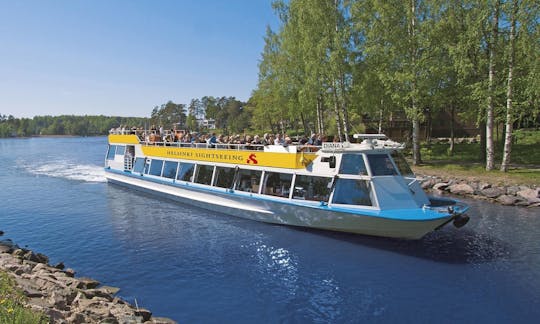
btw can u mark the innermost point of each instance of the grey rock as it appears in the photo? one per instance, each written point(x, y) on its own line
point(109, 320)
point(56, 316)
point(483, 185)
point(77, 318)
point(428, 183)
point(441, 186)
point(87, 283)
point(18, 253)
point(521, 202)
point(461, 189)
point(531, 195)
point(438, 192)
point(93, 293)
point(60, 266)
point(512, 190)
point(110, 290)
point(60, 299)
point(507, 200)
point(144, 313)
point(70, 272)
point(162, 320)
point(492, 192)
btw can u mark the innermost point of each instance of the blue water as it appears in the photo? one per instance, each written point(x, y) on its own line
point(197, 266)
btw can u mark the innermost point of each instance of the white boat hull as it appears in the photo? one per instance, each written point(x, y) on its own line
point(277, 212)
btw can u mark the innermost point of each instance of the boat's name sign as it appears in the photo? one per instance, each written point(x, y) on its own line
point(329, 146)
point(218, 157)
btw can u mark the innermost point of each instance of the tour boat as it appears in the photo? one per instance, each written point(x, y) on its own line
point(365, 188)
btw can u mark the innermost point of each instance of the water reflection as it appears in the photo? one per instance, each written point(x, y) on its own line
point(447, 245)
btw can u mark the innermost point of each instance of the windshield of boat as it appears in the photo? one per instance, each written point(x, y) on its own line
point(402, 164)
point(353, 164)
point(381, 165)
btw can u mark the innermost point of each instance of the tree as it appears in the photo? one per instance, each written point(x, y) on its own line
point(509, 93)
point(492, 49)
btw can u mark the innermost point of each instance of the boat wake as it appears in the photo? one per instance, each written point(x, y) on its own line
point(68, 170)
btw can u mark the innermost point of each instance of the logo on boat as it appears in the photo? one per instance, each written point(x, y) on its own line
point(251, 159)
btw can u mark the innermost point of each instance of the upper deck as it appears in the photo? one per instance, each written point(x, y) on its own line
point(291, 156)
point(279, 156)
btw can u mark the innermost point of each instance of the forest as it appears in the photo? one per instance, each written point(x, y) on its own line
point(330, 66)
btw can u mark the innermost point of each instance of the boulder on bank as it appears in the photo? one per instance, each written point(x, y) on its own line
point(492, 192)
point(441, 185)
point(507, 200)
point(508, 195)
point(530, 195)
point(461, 189)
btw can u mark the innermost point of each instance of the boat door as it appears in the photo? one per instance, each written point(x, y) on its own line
point(129, 157)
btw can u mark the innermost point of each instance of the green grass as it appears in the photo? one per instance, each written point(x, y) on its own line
point(11, 304)
point(467, 163)
point(525, 151)
point(521, 176)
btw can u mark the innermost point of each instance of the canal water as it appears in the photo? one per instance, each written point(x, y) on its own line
point(196, 266)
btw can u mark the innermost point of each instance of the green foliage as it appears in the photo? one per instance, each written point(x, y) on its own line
point(65, 125)
point(360, 58)
point(11, 304)
point(168, 114)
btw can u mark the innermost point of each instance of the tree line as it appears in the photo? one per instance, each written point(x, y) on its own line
point(64, 125)
point(333, 63)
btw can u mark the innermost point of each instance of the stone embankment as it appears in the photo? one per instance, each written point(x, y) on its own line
point(64, 298)
point(506, 195)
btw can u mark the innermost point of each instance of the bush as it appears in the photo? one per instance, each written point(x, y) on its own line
point(12, 308)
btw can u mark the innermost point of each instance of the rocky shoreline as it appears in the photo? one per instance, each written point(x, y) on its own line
point(511, 195)
point(62, 297)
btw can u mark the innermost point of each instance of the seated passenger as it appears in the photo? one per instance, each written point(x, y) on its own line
point(279, 140)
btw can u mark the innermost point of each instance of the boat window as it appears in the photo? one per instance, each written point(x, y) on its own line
point(248, 180)
point(224, 177)
point(169, 170)
point(120, 150)
point(352, 192)
point(402, 164)
point(311, 188)
point(110, 153)
point(204, 174)
point(139, 165)
point(155, 167)
point(353, 164)
point(146, 166)
point(381, 165)
point(185, 172)
point(277, 184)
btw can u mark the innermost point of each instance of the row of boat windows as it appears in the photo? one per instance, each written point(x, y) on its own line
point(115, 150)
point(347, 191)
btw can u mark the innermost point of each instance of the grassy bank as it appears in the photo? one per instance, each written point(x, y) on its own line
point(466, 162)
point(12, 308)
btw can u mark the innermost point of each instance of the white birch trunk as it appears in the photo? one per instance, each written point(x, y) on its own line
point(490, 146)
point(509, 113)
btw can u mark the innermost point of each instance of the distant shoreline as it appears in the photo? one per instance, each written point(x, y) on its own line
point(51, 136)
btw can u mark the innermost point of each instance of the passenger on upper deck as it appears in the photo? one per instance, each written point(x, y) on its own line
point(315, 139)
point(279, 140)
point(212, 140)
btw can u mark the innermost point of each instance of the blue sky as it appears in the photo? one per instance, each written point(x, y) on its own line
point(122, 58)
